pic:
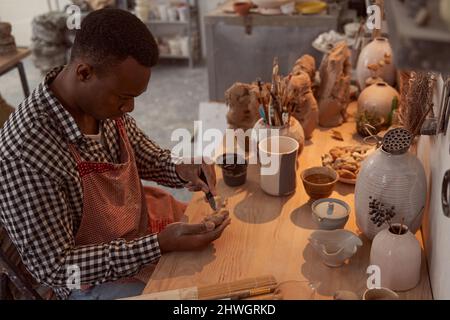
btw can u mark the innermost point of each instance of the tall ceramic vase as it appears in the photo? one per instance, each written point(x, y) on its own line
point(376, 60)
point(394, 179)
point(397, 253)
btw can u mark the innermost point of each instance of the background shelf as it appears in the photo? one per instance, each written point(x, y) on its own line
point(418, 47)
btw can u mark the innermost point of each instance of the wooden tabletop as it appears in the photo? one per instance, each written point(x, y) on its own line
point(269, 236)
point(10, 60)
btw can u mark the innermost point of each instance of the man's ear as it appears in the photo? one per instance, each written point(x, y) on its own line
point(84, 71)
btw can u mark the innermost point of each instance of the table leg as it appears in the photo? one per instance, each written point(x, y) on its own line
point(23, 79)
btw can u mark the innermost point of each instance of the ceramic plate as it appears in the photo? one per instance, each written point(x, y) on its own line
point(348, 181)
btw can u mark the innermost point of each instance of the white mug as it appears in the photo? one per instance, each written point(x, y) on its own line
point(278, 157)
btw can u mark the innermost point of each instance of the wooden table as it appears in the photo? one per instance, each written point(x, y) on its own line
point(14, 60)
point(269, 235)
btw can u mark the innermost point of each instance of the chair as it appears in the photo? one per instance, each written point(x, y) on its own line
point(15, 281)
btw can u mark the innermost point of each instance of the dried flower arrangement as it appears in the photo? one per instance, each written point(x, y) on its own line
point(416, 99)
point(383, 214)
point(368, 123)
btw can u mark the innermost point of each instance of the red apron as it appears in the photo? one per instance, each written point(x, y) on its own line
point(116, 205)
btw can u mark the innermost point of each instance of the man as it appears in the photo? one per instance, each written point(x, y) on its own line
point(71, 161)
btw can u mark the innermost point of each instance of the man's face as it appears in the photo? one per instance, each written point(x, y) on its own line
point(111, 94)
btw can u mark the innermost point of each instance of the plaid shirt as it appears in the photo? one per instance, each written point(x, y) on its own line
point(41, 198)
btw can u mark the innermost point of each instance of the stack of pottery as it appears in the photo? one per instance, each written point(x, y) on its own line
point(375, 61)
point(49, 40)
point(377, 99)
point(396, 178)
point(7, 42)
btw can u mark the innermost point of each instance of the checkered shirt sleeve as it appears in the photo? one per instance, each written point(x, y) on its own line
point(153, 162)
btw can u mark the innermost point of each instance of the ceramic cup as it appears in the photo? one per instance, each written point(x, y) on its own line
point(183, 13)
point(278, 157)
point(380, 294)
point(234, 169)
point(288, 8)
point(172, 14)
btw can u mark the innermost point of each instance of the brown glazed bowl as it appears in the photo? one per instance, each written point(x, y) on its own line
point(319, 182)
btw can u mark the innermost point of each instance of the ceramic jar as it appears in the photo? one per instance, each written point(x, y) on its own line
point(398, 256)
point(377, 99)
point(395, 180)
point(293, 130)
point(377, 53)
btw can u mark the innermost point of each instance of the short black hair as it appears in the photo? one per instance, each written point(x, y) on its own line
point(109, 36)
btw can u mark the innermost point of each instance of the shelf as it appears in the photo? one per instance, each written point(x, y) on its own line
point(184, 23)
point(170, 56)
point(418, 47)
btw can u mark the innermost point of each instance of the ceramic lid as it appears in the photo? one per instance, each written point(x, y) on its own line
point(331, 208)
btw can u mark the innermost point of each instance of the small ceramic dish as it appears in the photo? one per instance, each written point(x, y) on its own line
point(380, 294)
point(336, 246)
point(330, 214)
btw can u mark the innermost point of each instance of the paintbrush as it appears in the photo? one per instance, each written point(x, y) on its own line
point(209, 195)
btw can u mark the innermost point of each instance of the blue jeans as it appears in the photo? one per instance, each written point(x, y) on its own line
point(109, 291)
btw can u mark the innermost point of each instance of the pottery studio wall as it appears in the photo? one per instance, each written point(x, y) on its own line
point(434, 153)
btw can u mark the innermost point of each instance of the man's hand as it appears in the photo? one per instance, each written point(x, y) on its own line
point(191, 173)
point(185, 237)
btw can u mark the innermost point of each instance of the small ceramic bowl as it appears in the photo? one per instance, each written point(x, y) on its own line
point(330, 214)
point(336, 246)
point(380, 294)
point(319, 182)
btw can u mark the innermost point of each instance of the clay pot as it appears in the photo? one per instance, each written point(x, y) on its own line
point(377, 53)
point(377, 99)
point(397, 253)
point(395, 180)
point(294, 130)
point(242, 8)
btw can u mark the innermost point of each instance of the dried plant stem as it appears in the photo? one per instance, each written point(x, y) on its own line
point(416, 99)
point(401, 226)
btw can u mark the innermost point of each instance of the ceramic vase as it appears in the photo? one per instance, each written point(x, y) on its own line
point(293, 130)
point(377, 53)
point(395, 180)
point(398, 255)
point(377, 99)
